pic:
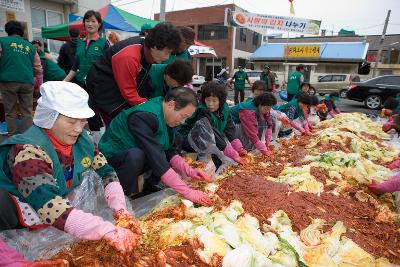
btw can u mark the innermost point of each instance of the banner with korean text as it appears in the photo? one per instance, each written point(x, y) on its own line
point(262, 23)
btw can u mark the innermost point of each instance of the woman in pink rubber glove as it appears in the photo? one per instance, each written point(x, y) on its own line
point(213, 107)
point(250, 115)
point(296, 110)
point(47, 162)
point(143, 138)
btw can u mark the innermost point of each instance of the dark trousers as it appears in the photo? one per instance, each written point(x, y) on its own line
point(129, 165)
point(236, 97)
point(13, 93)
point(95, 122)
point(8, 212)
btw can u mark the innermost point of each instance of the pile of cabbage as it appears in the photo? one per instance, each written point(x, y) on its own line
point(240, 241)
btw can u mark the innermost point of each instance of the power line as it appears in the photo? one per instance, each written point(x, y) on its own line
point(128, 3)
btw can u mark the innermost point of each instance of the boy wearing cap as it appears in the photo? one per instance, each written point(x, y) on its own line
point(187, 36)
point(239, 81)
point(268, 78)
point(42, 166)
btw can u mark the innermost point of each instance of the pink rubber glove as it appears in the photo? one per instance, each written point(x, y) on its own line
point(233, 154)
point(263, 148)
point(394, 165)
point(115, 196)
point(306, 128)
point(283, 119)
point(172, 179)
point(273, 88)
point(87, 226)
point(10, 257)
point(332, 113)
point(337, 110)
point(297, 126)
point(180, 165)
point(238, 146)
point(389, 186)
point(122, 239)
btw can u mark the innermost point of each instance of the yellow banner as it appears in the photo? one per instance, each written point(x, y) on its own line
point(302, 51)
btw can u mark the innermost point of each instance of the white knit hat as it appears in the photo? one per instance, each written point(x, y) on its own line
point(65, 98)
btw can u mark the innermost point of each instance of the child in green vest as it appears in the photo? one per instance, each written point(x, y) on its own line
point(187, 36)
point(239, 81)
point(213, 107)
point(48, 162)
point(164, 77)
point(249, 116)
point(296, 110)
point(331, 108)
point(51, 71)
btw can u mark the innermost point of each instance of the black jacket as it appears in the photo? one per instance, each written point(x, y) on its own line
point(66, 59)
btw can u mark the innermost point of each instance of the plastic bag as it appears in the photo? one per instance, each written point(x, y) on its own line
point(201, 138)
point(44, 243)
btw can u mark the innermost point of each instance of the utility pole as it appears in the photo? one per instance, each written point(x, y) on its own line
point(378, 56)
point(162, 10)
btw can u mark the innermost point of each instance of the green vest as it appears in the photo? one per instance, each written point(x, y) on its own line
point(86, 57)
point(293, 85)
point(240, 80)
point(244, 105)
point(217, 123)
point(264, 77)
point(118, 137)
point(184, 56)
point(17, 60)
point(52, 72)
point(293, 102)
point(156, 74)
point(83, 151)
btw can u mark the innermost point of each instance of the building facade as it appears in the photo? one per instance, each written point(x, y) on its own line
point(35, 14)
point(233, 46)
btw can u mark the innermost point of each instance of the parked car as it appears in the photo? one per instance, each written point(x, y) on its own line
point(254, 75)
point(327, 84)
point(198, 80)
point(375, 91)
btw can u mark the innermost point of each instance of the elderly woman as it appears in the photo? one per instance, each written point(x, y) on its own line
point(42, 166)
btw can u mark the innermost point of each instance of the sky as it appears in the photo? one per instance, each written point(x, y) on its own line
point(366, 17)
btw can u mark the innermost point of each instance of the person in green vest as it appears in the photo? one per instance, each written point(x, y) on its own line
point(268, 78)
point(295, 79)
point(20, 71)
point(213, 106)
point(143, 138)
point(42, 169)
point(51, 71)
point(165, 77)
point(239, 81)
point(258, 88)
point(296, 110)
point(187, 35)
point(87, 52)
point(248, 117)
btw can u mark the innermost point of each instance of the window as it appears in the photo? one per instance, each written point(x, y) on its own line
point(256, 37)
point(213, 32)
point(326, 78)
point(254, 73)
point(338, 78)
point(43, 18)
point(391, 80)
point(242, 35)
